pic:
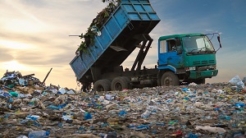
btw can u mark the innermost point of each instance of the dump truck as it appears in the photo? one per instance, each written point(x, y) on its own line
point(181, 57)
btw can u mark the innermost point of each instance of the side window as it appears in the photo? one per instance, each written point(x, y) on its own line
point(174, 45)
point(163, 46)
point(171, 45)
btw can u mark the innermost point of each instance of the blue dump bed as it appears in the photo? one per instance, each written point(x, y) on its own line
point(119, 37)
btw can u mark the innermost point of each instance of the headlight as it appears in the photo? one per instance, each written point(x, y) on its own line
point(192, 68)
point(212, 67)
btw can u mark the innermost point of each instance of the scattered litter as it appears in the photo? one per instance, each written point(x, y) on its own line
point(190, 111)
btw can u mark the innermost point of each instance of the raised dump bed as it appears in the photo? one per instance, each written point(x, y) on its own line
point(120, 35)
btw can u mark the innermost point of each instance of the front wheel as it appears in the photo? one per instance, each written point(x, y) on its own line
point(169, 79)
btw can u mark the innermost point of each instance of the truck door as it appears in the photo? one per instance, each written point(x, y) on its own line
point(170, 54)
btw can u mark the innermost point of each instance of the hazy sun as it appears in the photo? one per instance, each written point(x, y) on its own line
point(13, 66)
point(14, 45)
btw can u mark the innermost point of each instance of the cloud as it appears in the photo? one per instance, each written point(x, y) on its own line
point(5, 54)
point(22, 37)
point(52, 15)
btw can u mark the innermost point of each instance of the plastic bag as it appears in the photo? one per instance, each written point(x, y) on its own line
point(237, 81)
point(211, 129)
point(244, 80)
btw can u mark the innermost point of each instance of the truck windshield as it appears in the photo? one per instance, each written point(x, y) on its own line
point(198, 45)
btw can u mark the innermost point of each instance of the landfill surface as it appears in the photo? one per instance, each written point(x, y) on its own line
point(29, 109)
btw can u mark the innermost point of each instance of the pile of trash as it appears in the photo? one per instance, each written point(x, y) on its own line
point(29, 109)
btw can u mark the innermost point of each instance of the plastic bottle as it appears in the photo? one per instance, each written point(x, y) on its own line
point(13, 94)
point(225, 117)
point(142, 127)
point(122, 113)
point(53, 107)
point(239, 104)
point(33, 117)
point(87, 116)
point(4, 94)
point(191, 135)
point(39, 134)
point(146, 114)
point(132, 126)
point(62, 105)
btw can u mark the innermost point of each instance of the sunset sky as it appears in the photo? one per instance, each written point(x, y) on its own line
point(34, 34)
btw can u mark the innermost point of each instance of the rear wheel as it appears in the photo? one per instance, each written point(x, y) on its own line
point(169, 79)
point(120, 83)
point(102, 85)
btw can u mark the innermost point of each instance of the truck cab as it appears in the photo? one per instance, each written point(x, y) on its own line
point(186, 58)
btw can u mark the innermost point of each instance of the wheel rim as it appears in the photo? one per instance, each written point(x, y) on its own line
point(167, 81)
point(100, 88)
point(118, 86)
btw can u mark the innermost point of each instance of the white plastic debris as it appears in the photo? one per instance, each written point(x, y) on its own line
point(67, 117)
point(220, 91)
point(237, 81)
point(192, 84)
point(211, 129)
point(62, 90)
point(70, 92)
point(22, 136)
point(101, 98)
point(109, 97)
point(198, 104)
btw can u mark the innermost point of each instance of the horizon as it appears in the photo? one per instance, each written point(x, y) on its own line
point(35, 34)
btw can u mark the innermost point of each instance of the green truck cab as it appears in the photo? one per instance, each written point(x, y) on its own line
point(186, 58)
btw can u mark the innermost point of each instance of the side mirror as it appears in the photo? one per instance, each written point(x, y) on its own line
point(218, 37)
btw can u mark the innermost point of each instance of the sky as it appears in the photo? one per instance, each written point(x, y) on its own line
point(34, 34)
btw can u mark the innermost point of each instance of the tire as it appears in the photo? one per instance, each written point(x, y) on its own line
point(120, 83)
point(169, 79)
point(128, 82)
point(102, 85)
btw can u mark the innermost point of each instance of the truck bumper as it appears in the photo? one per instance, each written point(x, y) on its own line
point(203, 74)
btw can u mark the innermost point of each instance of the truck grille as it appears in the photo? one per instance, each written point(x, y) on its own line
point(203, 62)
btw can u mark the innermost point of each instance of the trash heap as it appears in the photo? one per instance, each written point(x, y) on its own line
point(33, 110)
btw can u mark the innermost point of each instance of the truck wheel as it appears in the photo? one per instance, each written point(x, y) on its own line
point(102, 85)
point(128, 82)
point(169, 79)
point(120, 83)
